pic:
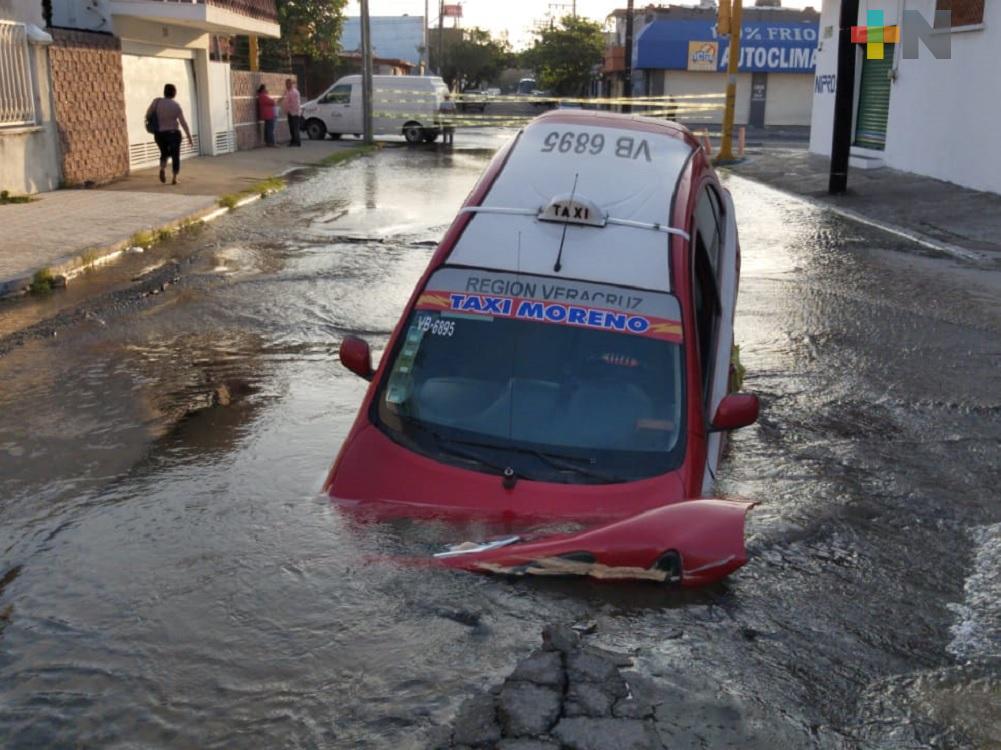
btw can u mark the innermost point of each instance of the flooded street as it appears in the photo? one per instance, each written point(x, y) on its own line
point(170, 575)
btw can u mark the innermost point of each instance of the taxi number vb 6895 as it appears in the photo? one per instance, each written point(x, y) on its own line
point(436, 327)
point(626, 147)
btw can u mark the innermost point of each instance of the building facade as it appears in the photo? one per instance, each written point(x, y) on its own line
point(105, 61)
point(914, 111)
point(677, 52)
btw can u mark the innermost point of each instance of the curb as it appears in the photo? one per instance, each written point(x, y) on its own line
point(66, 268)
point(947, 248)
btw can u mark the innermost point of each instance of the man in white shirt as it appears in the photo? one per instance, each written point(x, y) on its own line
point(292, 104)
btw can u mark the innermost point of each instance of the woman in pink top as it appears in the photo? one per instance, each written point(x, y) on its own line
point(169, 121)
point(267, 111)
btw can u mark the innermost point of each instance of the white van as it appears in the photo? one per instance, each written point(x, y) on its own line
point(411, 106)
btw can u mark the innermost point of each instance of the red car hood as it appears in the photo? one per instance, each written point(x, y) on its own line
point(391, 480)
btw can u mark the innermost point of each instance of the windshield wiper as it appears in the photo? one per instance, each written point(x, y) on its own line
point(447, 445)
point(566, 463)
point(555, 460)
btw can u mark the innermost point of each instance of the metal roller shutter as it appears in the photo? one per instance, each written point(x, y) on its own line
point(874, 101)
point(144, 79)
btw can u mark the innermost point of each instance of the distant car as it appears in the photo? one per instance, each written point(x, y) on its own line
point(526, 86)
point(493, 92)
point(566, 357)
point(473, 100)
point(415, 107)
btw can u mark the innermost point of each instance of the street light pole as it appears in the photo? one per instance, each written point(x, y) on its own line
point(844, 100)
point(366, 72)
point(627, 72)
point(427, 52)
point(732, 66)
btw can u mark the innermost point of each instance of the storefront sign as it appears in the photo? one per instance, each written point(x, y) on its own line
point(703, 55)
point(765, 47)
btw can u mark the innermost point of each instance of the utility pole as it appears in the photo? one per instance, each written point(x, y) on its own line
point(441, 34)
point(427, 50)
point(732, 66)
point(844, 99)
point(627, 73)
point(366, 72)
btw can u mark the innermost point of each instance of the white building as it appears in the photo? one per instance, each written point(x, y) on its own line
point(29, 139)
point(915, 112)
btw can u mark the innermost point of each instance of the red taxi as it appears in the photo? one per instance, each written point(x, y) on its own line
point(566, 357)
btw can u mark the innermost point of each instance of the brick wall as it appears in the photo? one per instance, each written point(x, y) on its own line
point(250, 130)
point(89, 95)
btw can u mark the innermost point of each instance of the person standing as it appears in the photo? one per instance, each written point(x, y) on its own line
point(292, 104)
point(267, 111)
point(169, 122)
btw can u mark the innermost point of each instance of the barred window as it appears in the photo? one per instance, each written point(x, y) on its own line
point(964, 12)
point(17, 99)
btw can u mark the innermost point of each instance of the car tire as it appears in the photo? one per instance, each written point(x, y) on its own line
point(316, 130)
point(413, 133)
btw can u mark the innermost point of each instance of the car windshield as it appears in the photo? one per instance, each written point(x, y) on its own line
point(560, 381)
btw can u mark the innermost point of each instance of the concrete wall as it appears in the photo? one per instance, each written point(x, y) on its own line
point(942, 112)
point(29, 155)
point(90, 106)
point(250, 130)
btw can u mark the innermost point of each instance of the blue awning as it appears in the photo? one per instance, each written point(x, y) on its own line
point(694, 45)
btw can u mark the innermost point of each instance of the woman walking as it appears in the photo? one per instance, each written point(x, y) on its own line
point(267, 111)
point(169, 119)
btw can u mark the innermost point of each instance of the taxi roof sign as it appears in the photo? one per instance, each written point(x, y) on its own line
point(573, 209)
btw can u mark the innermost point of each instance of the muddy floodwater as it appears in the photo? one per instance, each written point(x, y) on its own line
point(170, 575)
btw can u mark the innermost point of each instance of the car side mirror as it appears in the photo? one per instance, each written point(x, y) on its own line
point(736, 410)
point(356, 356)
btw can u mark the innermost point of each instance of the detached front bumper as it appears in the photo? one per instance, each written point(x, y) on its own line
point(692, 543)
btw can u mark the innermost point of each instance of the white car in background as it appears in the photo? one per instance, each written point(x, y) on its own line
point(412, 106)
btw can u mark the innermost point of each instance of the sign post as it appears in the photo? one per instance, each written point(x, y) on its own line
point(627, 84)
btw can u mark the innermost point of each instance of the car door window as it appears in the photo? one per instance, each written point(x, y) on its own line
point(340, 94)
point(706, 242)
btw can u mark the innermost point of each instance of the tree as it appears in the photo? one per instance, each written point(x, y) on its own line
point(309, 27)
point(563, 57)
point(474, 59)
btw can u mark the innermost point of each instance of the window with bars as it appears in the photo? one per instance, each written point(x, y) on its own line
point(964, 12)
point(17, 97)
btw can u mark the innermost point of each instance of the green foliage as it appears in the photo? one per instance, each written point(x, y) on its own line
point(309, 27)
point(6, 197)
point(564, 56)
point(230, 201)
point(42, 281)
point(144, 238)
point(476, 59)
point(345, 155)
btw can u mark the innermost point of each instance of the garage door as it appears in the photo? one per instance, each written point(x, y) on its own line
point(144, 81)
point(874, 101)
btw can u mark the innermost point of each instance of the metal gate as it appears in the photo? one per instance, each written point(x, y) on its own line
point(874, 101)
point(145, 77)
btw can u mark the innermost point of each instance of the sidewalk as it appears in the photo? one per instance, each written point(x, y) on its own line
point(963, 223)
point(67, 229)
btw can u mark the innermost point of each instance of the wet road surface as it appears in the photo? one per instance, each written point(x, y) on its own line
point(169, 575)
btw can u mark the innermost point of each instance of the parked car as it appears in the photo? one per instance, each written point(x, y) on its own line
point(473, 100)
point(415, 107)
point(566, 357)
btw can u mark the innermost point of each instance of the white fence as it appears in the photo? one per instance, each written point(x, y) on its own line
point(17, 98)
